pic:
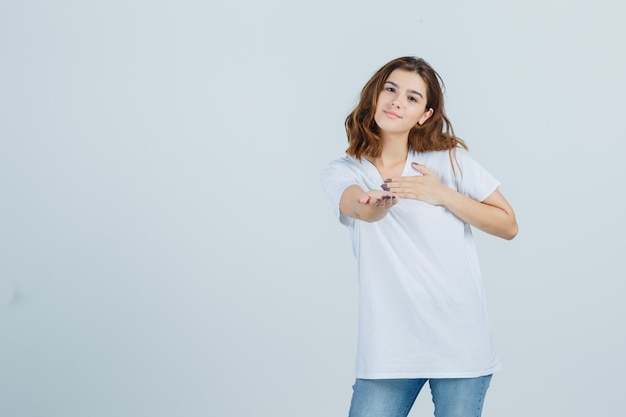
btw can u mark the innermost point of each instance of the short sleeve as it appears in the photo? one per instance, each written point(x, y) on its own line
point(473, 180)
point(335, 178)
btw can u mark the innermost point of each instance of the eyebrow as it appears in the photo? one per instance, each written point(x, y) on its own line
point(410, 91)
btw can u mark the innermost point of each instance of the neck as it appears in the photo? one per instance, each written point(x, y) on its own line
point(394, 150)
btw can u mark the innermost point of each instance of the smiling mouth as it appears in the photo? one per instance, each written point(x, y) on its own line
point(391, 114)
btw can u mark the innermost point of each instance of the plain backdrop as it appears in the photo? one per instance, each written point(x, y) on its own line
point(165, 246)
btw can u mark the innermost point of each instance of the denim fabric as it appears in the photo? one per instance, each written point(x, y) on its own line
point(453, 397)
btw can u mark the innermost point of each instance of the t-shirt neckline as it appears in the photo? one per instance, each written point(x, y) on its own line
point(404, 172)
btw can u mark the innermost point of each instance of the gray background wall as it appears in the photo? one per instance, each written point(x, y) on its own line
point(166, 250)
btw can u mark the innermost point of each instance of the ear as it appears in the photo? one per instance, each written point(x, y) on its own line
point(425, 116)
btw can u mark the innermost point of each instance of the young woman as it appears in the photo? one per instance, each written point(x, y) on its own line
point(409, 192)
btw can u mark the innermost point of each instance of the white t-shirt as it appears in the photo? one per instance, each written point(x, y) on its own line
point(422, 311)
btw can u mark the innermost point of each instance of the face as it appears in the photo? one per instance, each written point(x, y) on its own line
point(402, 103)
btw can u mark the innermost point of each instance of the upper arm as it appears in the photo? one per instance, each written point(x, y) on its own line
point(335, 179)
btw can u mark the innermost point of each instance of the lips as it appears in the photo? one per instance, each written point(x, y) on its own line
point(391, 114)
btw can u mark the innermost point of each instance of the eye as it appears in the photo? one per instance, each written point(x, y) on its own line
point(413, 99)
point(390, 89)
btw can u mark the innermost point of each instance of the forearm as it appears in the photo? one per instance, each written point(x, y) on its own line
point(494, 215)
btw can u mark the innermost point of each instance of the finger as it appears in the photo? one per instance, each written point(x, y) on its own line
point(421, 168)
point(390, 183)
point(403, 181)
point(407, 196)
point(364, 199)
point(399, 188)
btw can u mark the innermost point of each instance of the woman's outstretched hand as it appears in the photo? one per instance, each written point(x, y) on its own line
point(425, 187)
point(369, 206)
point(378, 199)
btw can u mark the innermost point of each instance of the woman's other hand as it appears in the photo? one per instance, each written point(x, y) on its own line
point(425, 187)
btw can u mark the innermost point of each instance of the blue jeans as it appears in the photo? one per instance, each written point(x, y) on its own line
point(453, 397)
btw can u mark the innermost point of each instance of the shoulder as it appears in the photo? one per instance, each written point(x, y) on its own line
point(346, 160)
point(463, 155)
point(443, 158)
point(465, 161)
point(343, 169)
point(344, 164)
point(432, 159)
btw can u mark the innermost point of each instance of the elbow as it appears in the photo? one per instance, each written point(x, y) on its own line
point(510, 235)
point(506, 230)
point(509, 227)
point(510, 231)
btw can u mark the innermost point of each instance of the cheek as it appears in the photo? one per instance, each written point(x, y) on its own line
point(416, 116)
point(380, 101)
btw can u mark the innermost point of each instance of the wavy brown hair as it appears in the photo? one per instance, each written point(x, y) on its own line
point(436, 134)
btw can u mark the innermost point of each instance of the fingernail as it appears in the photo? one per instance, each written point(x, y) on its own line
point(384, 187)
point(388, 180)
point(415, 164)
